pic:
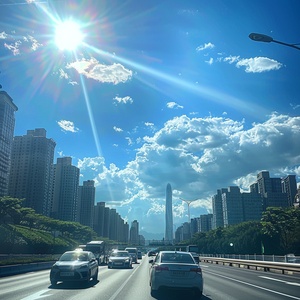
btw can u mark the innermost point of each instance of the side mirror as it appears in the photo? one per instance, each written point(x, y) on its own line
point(150, 261)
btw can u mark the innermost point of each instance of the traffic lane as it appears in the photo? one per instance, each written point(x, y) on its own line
point(232, 282)
point(36, 285)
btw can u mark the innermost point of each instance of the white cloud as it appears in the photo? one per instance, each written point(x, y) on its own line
point(124, 100)
point(197, 156)
point(210, 61)
point(19, 46)
point(3, 35)
point(117, 129)
point(173, 105)
point(115, 73)
point(67, 126)
point(231, 59)
point(259, 64)
point(205, 46)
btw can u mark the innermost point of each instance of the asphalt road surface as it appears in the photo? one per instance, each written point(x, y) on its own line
point(220, 283)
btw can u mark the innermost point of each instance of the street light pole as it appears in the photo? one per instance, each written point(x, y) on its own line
point(258, 37)
point(188, 202)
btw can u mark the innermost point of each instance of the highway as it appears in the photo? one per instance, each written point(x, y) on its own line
point(220, 282)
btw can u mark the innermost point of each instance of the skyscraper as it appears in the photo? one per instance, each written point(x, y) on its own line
point(86, 203)
point(7, 125)
point(169, 215)
point(30, 174)
point(65, 195)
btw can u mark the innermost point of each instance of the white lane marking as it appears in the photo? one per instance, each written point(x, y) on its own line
point(256, 286)
point(38, 295)
point(287, 282)
point(122, 286)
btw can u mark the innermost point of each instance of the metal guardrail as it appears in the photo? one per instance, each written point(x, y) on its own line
point(266, 266)
point(289, 258)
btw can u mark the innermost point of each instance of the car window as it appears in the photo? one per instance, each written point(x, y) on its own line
point(72, 256)
point(176, 258)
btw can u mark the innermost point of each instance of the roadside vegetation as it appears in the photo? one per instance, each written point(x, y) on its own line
point(22, 231)
point(278, 233)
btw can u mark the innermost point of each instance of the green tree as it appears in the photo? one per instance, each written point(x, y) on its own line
point(282, 224)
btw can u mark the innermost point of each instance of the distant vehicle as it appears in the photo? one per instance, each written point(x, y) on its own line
point(139, 255)
point(133, 252)
point(75, 266)
point(194, 250)
point(99, 248)
point(175, 270)
point(291, 258)
point(152, 253)
point(119, 259)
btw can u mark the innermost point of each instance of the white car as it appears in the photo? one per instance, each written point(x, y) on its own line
point(175, 270)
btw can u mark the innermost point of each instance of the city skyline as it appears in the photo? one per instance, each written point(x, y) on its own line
point(157, 92)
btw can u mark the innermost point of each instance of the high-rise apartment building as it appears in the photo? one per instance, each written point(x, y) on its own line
point(134, 233)
point(217, 207)
point(7, 126)
point(271, 190)
point(98, 219)
point(65, 190)
point(30, 175)
point(169, 215)
point(289, 186)
point(232, 206)
point(86, 203)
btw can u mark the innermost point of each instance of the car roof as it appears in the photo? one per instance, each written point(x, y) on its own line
point(76, 251)
point(179, 252)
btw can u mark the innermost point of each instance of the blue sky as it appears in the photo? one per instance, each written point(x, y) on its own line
point(158, 92)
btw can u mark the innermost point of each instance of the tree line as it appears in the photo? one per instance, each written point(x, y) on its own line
point(22, 230)
point(278, 232)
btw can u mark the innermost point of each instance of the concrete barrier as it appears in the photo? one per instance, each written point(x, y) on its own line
point(24, 268)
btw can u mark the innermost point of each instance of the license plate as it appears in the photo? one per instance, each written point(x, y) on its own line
point(118, 263)
point(66, 273)
point(178, 273)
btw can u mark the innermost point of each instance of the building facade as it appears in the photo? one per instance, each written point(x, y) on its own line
point(65, 190)
point(7, 126)
point(134, 233)
point(86, 203)
point(30, 175)
point(169, 215)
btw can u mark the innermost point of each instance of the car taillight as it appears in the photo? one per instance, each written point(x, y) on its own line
point(160, 269)
point(196, 270)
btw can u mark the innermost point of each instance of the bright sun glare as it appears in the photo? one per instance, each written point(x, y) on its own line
point(68, 35)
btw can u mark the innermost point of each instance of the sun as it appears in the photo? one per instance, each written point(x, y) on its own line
point(68, 35)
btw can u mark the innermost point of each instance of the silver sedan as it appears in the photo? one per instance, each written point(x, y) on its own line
point(175, 270)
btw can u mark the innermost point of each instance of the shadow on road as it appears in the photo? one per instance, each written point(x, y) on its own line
point(73, 285)
point(178, 295)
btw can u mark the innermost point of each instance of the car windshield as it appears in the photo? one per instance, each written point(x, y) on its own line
point(74, 256)
point(120, 254)
point(176, 258)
